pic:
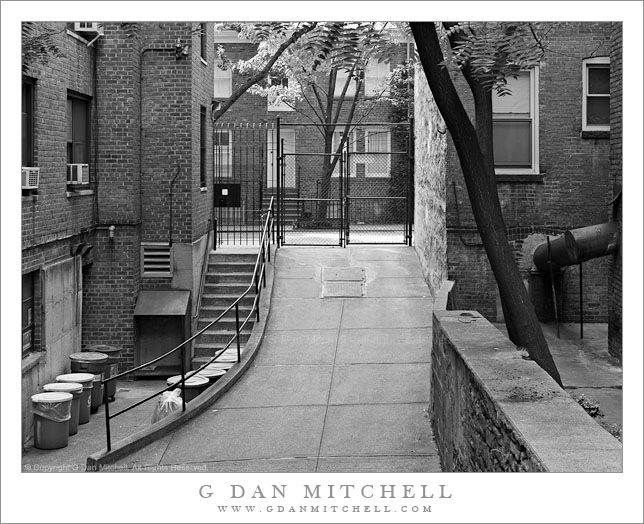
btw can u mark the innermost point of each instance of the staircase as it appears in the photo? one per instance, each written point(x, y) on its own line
point(230, 271)
point(291, 209)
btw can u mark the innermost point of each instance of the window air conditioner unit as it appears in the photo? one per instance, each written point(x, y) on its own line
point(88, 27)
point(77, 174)
point(30, 177)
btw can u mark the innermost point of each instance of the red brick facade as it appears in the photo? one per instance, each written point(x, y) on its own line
point(146, 104)
point(572, 190)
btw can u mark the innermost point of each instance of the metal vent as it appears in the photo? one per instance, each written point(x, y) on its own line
point(156, 260)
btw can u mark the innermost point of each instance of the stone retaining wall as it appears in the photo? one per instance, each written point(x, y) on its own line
point(492, 410)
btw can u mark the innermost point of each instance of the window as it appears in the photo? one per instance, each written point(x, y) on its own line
point(27, 313)
point(596, 98)
point(341, 80)
point(516, 129)
point(377, 142)
point(223, 152)
point(273, 103)
point(78, 130)
point(202, 147)
point(204, 42)
point(27, 122)
point(223, 81)
point(376, 77)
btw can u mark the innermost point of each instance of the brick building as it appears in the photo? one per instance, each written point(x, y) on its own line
point(121, 201)
point(554, 141)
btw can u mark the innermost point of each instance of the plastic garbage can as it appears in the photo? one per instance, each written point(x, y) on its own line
point(87, 381)
point(51, 419)
point(91, 362)
point(213, 375)
point(76, 389)
point(195, 385)
point(111, 365)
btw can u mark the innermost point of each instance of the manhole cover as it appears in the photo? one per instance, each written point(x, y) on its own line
point(342, 289)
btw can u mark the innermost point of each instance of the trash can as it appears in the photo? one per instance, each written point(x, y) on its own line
point(76, 389)
point(87, 381)
point(213, 375)
point(194, 385)
point(95, 363)
point(51, 419)
point(112, 365)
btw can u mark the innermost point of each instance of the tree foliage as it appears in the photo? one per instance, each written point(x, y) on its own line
point(38, 45)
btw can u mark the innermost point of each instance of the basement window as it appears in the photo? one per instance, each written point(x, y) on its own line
point(156, 260)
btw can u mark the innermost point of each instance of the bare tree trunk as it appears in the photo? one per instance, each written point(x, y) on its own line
point(523, 326)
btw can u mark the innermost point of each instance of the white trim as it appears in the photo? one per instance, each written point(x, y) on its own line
point(534, 115)
point(378, 160)
point(602, 61)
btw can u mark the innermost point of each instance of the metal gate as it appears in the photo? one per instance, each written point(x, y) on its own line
point(244, 158)
point(366, 199)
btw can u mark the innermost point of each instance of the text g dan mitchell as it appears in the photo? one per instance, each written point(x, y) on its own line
point(329, 491)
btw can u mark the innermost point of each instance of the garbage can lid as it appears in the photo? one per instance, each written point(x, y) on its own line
point(81, 378)
point(194, 381)
point(64, 387)
point(104, 348)
point(220, 365)
point(89, 356)
point(211, 372)
point(52, 397)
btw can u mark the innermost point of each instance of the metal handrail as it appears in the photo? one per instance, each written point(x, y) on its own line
point(258, 281)
point(204, 265)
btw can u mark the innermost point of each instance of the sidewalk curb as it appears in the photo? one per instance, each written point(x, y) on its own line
point(123, 448)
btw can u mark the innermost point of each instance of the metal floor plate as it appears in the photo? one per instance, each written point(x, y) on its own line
point(342, 289)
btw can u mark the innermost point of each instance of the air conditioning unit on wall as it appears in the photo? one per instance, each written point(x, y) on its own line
point(88, 27)
point(77, 174)
point(30, 177)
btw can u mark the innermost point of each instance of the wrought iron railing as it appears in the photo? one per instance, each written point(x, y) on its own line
point(258, 281)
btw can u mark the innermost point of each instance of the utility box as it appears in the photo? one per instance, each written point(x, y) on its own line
point(163, 321)
point(227, 195)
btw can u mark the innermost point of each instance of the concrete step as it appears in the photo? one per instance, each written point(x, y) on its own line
point(219, 339)
point(227, 288)
point(214, 278)
point(227, 322)
point(226, 300)
point(217, 267)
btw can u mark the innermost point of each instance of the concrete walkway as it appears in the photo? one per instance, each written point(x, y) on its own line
point(341, 380)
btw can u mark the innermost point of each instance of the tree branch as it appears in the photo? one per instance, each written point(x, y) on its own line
point(258, 77)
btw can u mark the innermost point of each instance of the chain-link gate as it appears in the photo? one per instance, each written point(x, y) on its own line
point(362, 195)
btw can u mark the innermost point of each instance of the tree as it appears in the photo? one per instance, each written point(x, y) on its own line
point(486, 58)
point(314, 77)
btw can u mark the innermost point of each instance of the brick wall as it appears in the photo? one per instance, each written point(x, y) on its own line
point(571, 192)
point(429, 179)
point(615, 271)
point(492, 410)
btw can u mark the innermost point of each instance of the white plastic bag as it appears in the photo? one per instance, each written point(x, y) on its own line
point(169, 402)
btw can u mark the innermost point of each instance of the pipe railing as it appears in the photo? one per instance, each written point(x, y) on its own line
point(258, 281)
